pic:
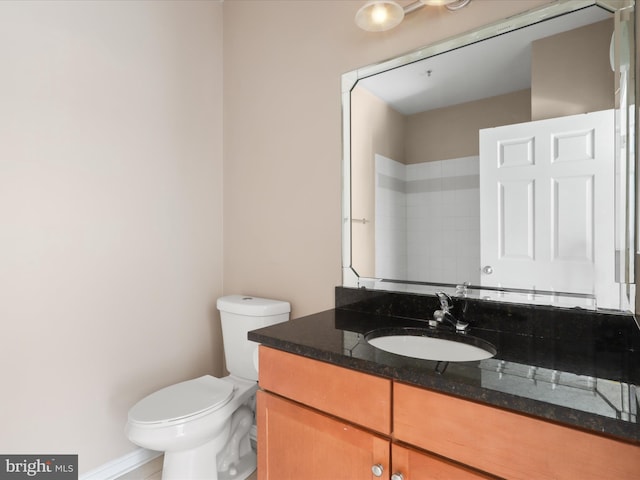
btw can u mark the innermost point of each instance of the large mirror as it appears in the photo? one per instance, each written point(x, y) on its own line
point(499, 164)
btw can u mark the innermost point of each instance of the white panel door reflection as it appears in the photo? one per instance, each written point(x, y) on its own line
point(547, 206)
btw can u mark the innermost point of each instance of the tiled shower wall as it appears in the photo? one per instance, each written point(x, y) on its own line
point(391, 219)
point(428, 213)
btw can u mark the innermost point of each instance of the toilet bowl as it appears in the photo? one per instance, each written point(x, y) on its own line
point(191, 423)
point(204, 425)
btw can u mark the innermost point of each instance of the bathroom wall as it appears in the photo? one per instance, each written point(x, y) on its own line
point(112, 199)
point(282, 133)
point(558, 65)
point(376, 129)
point(452, 132)
point(110, 215)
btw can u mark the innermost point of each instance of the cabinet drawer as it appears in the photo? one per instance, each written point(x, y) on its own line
point(507, 444)
point(357, 397)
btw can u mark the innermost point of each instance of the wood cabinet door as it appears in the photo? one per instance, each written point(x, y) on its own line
point(295, 442)
point(415, 465)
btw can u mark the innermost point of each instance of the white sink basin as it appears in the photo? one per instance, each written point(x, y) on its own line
point(415, 344)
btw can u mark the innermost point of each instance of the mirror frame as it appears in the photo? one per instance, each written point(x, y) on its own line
point(625, 160)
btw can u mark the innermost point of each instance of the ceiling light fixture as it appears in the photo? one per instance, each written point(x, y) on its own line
point(436, 3)
point(381, 15)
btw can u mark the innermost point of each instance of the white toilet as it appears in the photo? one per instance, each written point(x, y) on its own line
point(203, 425)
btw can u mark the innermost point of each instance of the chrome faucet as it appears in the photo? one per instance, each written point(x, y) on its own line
point(444, 314)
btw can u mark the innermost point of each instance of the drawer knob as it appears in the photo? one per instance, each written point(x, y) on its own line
point(397, 476)
point(377, 470)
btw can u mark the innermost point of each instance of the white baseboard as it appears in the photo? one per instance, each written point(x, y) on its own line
point(120, 466)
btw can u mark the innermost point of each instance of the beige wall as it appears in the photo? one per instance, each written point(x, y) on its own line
point(110, 214)
point(376, 129)
point(282, 133)
point(452, 132)
point(559, 68)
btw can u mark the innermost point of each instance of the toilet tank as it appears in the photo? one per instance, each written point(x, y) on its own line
point(240, 314)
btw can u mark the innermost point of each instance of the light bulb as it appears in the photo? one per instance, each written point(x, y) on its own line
point(379, 14)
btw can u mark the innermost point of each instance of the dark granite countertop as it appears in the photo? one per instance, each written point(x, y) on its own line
point(586, 376)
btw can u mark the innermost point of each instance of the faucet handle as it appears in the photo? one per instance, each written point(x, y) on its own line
point(463, 289)
point(445, 301)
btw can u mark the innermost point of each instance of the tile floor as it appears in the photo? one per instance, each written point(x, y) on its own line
point(153, 471)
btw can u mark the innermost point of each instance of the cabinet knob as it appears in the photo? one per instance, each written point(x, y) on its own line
point(397, 476)
point(377, 470)
point(487, 270)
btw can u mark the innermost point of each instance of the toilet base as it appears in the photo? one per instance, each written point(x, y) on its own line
point(242, 469)
point(194, 464)
point(179, 467)
point(227, 457)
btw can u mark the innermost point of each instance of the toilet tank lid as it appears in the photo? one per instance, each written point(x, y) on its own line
point(252, 306)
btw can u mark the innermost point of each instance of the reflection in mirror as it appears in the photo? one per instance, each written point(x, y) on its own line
point(502, 159)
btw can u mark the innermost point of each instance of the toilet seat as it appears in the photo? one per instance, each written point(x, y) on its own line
point(182, 400)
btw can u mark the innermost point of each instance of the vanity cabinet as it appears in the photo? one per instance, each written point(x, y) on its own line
point(319, 421)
